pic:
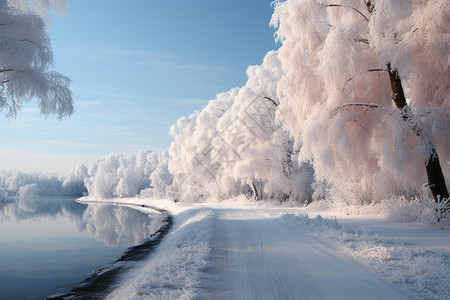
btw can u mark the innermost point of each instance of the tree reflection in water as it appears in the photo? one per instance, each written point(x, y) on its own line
point(115, 225)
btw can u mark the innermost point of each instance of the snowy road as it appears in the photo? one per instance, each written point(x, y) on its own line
point(256, 257)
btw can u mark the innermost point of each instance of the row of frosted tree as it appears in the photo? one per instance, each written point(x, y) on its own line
point(353, 107)
point(116, 175)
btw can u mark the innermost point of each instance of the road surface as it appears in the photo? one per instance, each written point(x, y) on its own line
point(257, 257)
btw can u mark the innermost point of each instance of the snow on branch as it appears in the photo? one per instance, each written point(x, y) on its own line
point(25, 59)
point(270, 100)
point(357, 10)
point(368, 105)
point(369, 71)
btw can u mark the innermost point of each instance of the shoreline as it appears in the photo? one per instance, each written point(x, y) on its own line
point(102, 281)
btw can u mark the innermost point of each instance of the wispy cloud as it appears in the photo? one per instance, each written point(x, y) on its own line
point(147, 58)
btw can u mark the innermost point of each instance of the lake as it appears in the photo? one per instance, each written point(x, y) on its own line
point(48, 245)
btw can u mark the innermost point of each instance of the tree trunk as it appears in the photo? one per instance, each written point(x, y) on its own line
point(436, 180)
point(255, 192)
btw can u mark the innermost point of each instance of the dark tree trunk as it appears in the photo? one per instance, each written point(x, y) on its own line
point(436, 179)
point(255, 192)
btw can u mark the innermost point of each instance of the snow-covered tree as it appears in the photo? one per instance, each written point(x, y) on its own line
point(234, 146)
point(73, 183)
point(119, 175)
point(192, 159)
point(421, 45)
point(341, 62)
point(45, 184)
point(26, 58)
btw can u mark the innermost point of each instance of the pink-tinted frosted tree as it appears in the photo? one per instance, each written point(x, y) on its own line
point(234, 146)
point(340, 96)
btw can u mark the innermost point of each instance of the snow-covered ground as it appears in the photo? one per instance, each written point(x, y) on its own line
point(240, 251)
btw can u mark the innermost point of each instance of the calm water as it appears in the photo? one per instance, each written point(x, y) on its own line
point(47, 245)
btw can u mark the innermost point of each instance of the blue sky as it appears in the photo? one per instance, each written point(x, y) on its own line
point(136, 67)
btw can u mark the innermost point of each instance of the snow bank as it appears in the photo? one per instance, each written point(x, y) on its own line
point(174, 270)
point(423, 271)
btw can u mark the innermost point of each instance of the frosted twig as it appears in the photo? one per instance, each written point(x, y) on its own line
point(369, 71)
point(358, 11)
point(269, 99)
point(368, 105)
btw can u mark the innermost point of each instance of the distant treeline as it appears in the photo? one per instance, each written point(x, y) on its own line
point(18, 184)
point(116, 175)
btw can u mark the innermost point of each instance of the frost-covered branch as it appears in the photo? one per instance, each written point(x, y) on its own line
point(368, 105)
point(271, 100)
point(364, 41)
point(25, 60)
point(355, 9)
point(436, 179)
point(368, 71)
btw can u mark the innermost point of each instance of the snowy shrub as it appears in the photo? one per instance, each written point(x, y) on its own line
point(318, 224)
point(430, 274)
point(421, 208)
point(437, 213)
point(400, 209)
